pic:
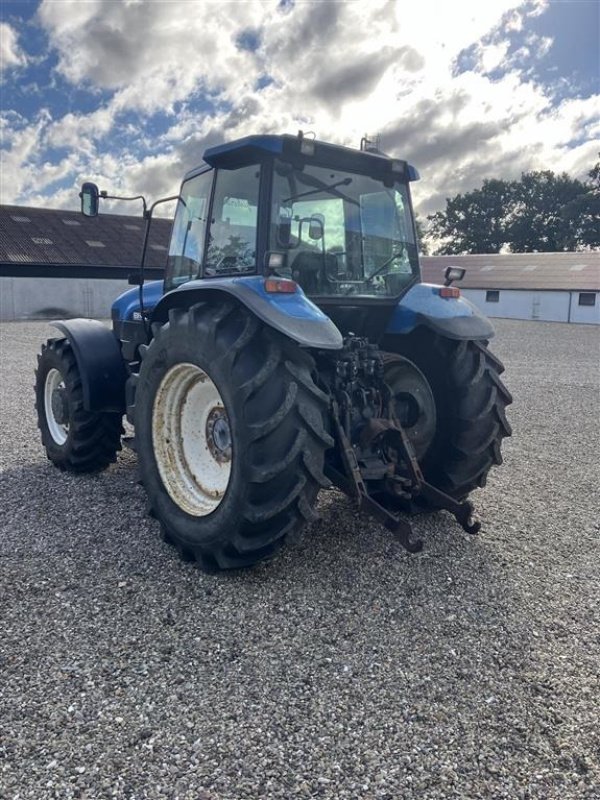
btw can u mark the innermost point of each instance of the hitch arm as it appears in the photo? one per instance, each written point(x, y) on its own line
point(463, 512)
point(353, 485)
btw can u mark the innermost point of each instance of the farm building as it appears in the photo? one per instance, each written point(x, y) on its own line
point(555, 287)
point(40, 248)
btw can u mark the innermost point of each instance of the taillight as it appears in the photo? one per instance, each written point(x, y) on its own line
point(450, 291)
point(280, 286)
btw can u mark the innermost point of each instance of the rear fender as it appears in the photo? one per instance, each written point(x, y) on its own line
point(454, 318)
point(100, 364)
point(292, 314)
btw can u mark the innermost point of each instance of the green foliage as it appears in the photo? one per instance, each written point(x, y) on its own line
point(474, 222)
point(594, 174)
point(541, 212)
point(536, 223)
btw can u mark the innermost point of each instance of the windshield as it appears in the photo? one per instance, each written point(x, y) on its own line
point(342, 233)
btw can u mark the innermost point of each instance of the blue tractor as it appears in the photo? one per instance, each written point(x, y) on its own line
point(291, 346)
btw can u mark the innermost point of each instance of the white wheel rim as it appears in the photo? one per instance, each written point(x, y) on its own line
point(191, 438)
point(59, 431)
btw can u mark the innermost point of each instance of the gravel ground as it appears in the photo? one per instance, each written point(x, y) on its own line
point(344, 669)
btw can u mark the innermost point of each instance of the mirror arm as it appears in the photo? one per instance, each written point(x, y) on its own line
point(148, 217)
point(105, 196)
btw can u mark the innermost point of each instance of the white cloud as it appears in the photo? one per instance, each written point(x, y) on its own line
point(492, 56)
point(340, 69)
point(11, 54)
point(153, 54)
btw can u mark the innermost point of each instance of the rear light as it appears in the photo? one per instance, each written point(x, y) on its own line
point(280, 286)
point(450, 291)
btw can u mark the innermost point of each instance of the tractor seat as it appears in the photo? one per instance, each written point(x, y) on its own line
point(309, 270)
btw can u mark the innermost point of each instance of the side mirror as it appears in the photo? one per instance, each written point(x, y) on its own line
point(453, 274)
point(89, 195)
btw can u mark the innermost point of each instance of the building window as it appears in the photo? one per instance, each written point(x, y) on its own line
point(587, 298)
point(41, 240)
point(492, 296)
point(94, 243)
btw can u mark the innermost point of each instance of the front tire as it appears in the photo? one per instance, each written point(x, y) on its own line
point(230, 435)
point(75, 440)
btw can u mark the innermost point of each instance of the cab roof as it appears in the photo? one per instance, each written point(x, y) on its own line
point(253, 149)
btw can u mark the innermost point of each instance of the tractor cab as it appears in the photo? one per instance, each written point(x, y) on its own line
point(336, 221)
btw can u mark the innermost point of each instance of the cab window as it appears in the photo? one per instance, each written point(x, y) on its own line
point(232, 236)
point(189, 230)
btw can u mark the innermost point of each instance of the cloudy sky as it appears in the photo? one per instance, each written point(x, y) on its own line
point(129, 93)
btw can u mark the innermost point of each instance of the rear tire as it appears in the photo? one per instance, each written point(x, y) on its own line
point(470, 401)
point(273, 437)
point(75, 439)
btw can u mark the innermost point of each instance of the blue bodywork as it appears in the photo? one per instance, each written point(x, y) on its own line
point(234, 154)
point(294, 305)
point(251, 149)
point(293, 314)
point(298, 317)
point(126, 304)
point(456, 318)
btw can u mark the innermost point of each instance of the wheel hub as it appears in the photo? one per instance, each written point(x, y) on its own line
point(218, 435)
point(408, 409)
point(60, 405)
point(414, 403)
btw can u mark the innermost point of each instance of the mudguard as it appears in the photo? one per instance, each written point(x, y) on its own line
point(454, 318)
point(292, 314)
point(100, 364)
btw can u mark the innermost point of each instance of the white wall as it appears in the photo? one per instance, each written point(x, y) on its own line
point(53, 298)
point(589, 314)
point(549, 306)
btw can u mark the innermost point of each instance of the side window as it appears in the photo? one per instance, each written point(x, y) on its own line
point(386, 233)
point(189, 229)
point(232, 241)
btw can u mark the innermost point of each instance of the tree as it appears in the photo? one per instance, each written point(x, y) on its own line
point(542, 212)
point(580, 222)
point(594, 175)
point(474, 222)
point(580, 219)
point(536, 223)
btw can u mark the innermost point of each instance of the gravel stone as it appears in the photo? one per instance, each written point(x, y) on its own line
point(344, 669)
